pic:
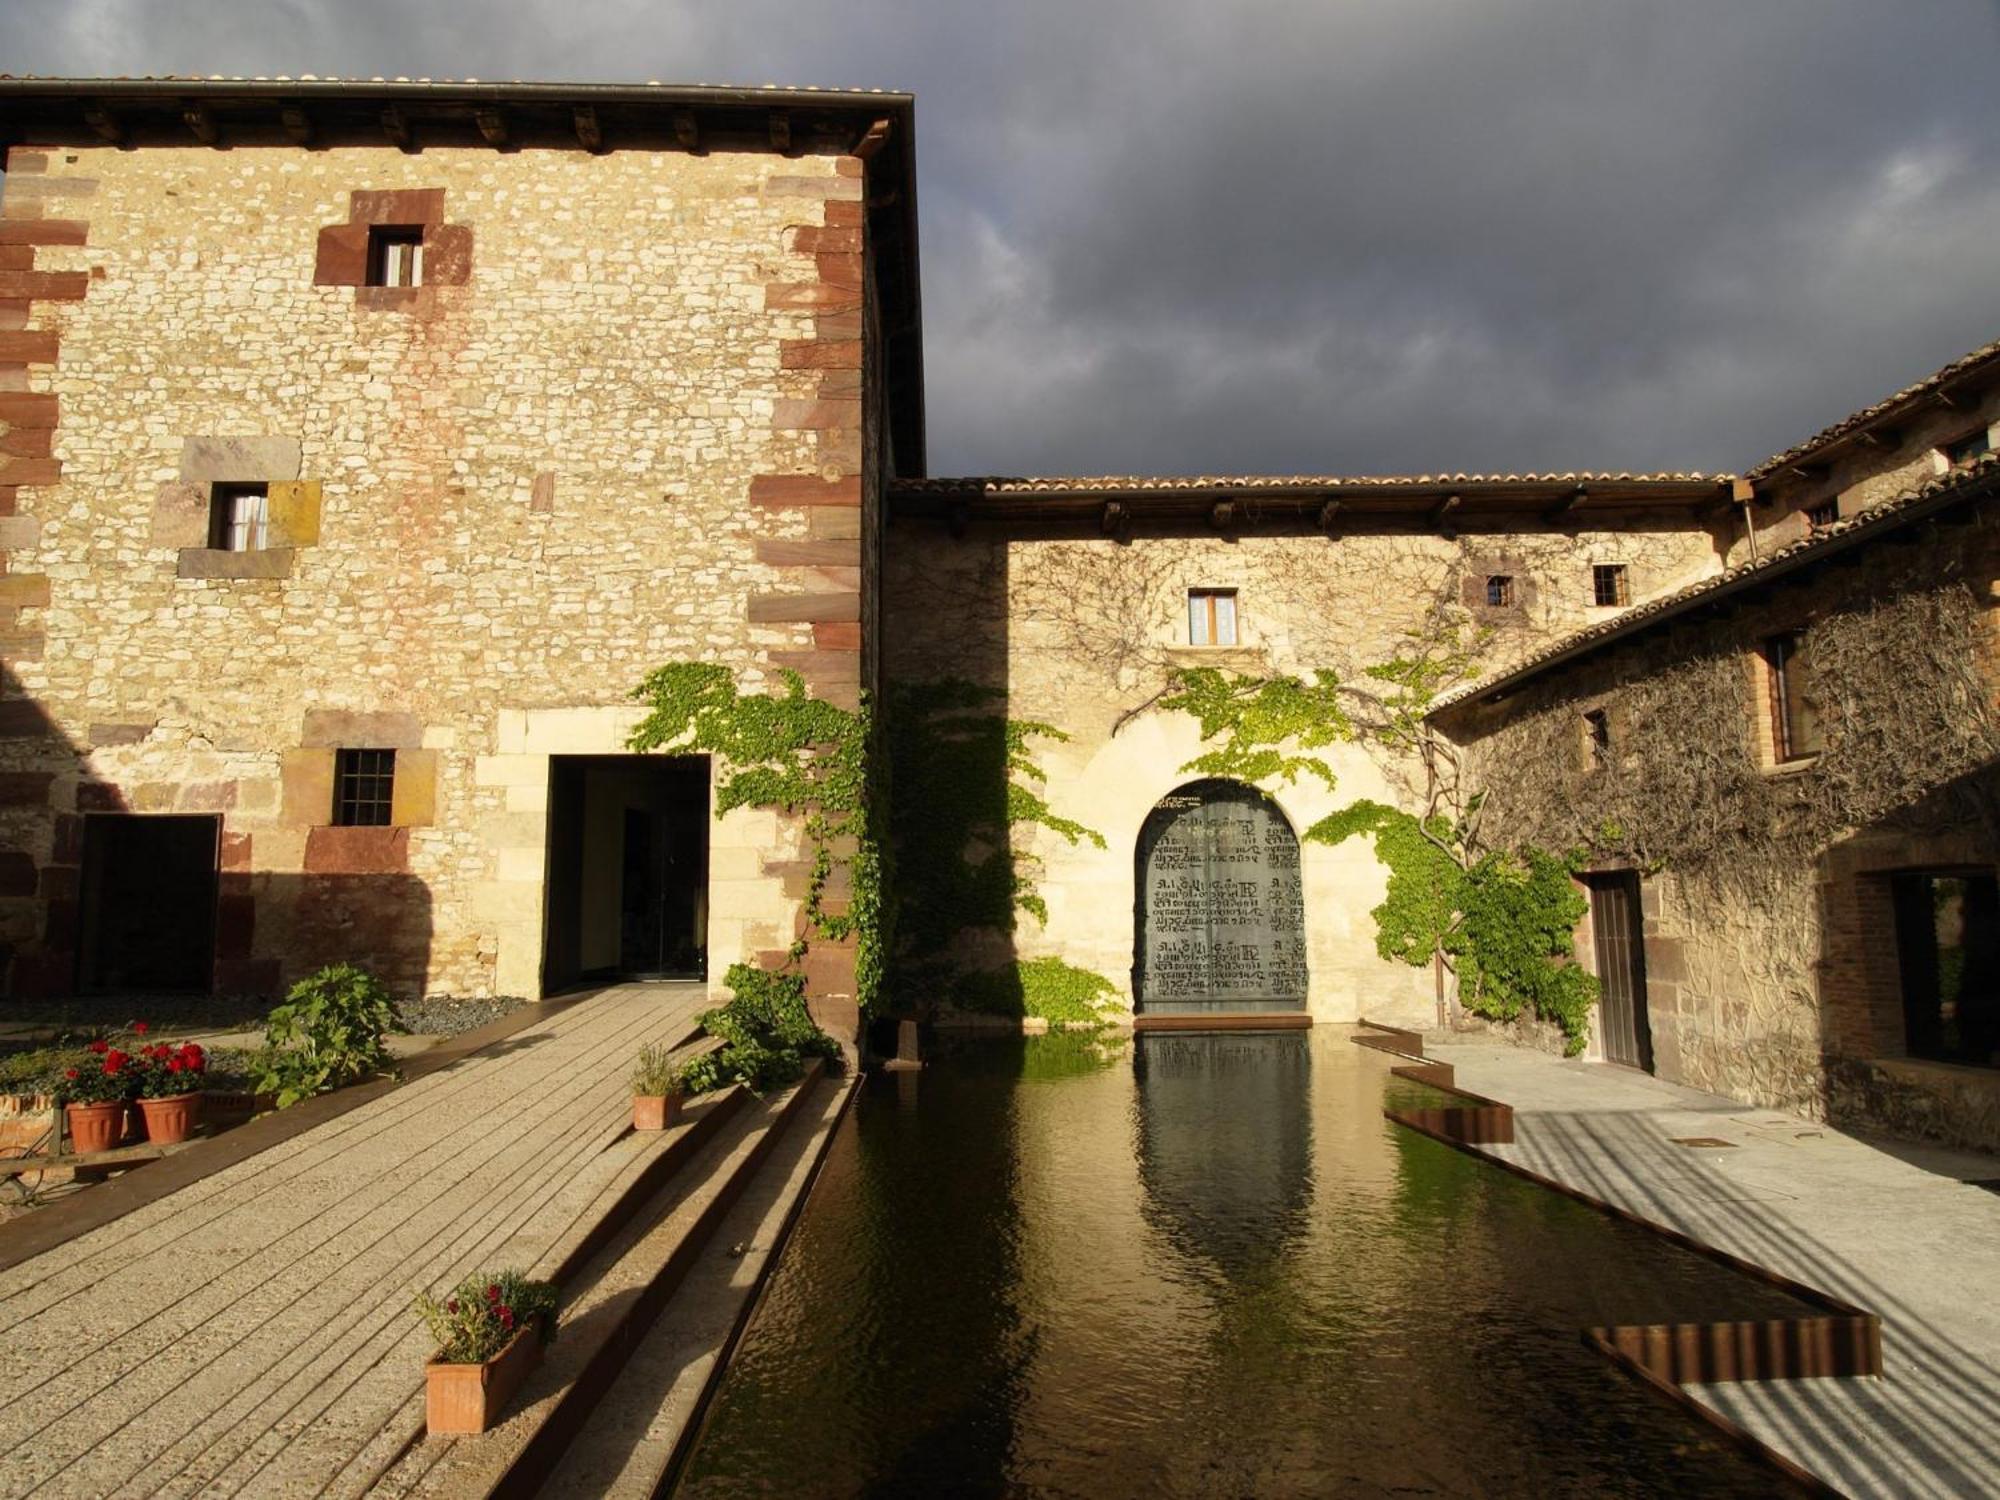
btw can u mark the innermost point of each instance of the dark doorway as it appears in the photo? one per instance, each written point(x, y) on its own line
point(147, 914)
point(1619, 928)
point(1221, 923)
point(1948, 953)
point(628, 869)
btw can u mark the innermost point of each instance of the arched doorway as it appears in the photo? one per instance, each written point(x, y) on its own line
point(1221, 921)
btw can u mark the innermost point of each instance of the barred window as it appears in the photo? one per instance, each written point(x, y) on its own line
point(1823, 515)
point(1609, 585)
point(1500, 591)
point(364, 788)
point(1975, 444)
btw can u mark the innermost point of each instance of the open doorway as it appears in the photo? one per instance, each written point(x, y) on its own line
point(146, 918)
point(628, 869)
point(1948, 957)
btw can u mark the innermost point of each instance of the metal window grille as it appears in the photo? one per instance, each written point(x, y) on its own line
point(1211, 617)
point(1823, 515)
point(239, 517)
point(1973, 445)
point(364, 788)
point(1609, 585)
point(1500, 591)
point(396, 255)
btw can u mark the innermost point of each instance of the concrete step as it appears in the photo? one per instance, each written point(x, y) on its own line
point(640, 1432)
point(608, 1305)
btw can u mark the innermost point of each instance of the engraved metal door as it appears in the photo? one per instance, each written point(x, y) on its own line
point(1221, 912)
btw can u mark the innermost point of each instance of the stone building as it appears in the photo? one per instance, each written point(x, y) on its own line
point(364, 445)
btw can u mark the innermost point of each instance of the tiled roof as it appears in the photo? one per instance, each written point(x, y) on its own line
point(1979, 480)
point(1958, 369)
point(329, 79)
point(1140, 484)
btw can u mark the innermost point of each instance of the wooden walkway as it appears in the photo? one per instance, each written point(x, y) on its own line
point(252, 1334)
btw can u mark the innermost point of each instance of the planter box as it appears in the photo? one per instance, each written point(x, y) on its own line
point(655, 1111)
point(470, 1398)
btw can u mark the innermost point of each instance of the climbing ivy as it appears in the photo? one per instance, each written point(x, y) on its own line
point(796, 754)
point(1502, 920)
point(965, 778)
point(1253, 717)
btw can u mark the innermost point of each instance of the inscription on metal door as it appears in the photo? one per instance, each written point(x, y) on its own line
point(1221, 918)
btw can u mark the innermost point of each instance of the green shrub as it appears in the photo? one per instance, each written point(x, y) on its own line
point(767, 1033)
point(1056, 992)
point(328, 1033)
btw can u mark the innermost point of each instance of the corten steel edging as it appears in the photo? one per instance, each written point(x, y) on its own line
point(1737, 1436)
point(1662, 1356)
point(1224, 1020)
point(1479, 1122)
point(56, 1224)
point(670, 1472)
point(525, 1473)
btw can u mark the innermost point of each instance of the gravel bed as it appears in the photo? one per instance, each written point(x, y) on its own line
point(442, 1015)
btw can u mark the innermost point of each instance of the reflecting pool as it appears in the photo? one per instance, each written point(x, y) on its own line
point(1198, 1265)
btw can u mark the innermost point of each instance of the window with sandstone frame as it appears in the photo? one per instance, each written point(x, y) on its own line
point(364, 788)
point(239, 517)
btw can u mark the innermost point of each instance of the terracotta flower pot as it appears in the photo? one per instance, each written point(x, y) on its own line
point(95, 1127)
point(655, 1111)
point(171, 1119)
point(470, 1398)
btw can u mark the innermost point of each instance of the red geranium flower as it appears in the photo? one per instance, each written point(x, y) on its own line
point(140, 1028)
point(72, 1073)
point(451, 1304)
point(114, 1060)
point(493, 1292)
point(173, 1065)
point(100, 1046)
point(506, 1317)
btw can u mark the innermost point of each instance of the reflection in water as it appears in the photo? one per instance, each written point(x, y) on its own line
point(1205, 1268)
point(1225, 1141)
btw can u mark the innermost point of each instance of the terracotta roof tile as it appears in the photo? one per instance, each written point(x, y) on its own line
point(1929, 385)
point(1136, 483)
point(1975, 480)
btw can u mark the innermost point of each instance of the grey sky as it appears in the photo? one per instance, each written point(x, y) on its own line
point(1348, 235)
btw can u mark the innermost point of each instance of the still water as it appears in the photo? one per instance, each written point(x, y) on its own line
point(1197, 1266)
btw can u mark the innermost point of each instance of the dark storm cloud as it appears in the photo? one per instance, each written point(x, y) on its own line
point(1355, 235)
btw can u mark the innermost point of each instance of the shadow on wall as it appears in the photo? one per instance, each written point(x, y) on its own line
point(1927, 1427)
point(110, 889)
point(1910, 966)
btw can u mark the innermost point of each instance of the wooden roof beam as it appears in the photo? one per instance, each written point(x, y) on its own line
point(687, 130)
point(201, 120)
point(589, 134)
point(781, 130)
point(1329, 518)
point(873, 139)
point(1114, 519)
point(298, 125)
point(1569, 503)
point(1443, 516)
point(105, 124)
point(492, 124)
point(396, 126)
point(1222, 514)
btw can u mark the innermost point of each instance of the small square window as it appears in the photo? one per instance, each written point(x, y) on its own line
point(396, 255)
point(1597, 738)
point(1211, 617)
point(1822, 515)
point(239, 517)
point(1499, 591)
point(364, 788)
point(1974, 445)
point(1609, 586)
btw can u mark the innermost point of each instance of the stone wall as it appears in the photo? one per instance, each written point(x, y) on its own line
point(1770, 939)
point(619, 425)
point(1082, 632)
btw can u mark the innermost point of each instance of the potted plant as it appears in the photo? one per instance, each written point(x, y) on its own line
point(170, 1080)
point(658, 1085)
point(95, 1094)
point(489, 1330)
